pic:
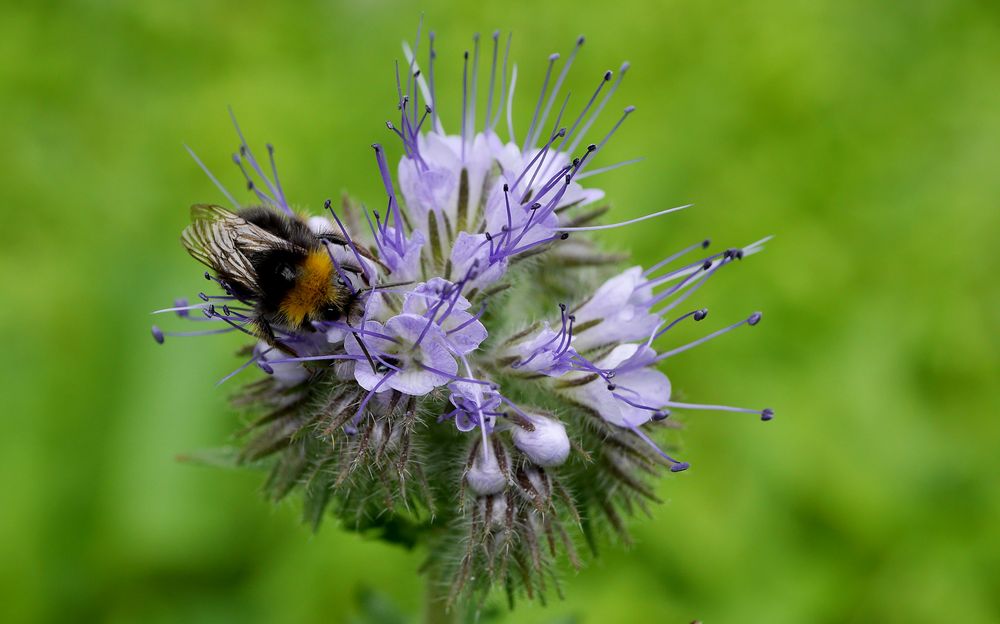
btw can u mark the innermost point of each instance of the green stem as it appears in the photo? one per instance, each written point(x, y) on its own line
point(436, 607)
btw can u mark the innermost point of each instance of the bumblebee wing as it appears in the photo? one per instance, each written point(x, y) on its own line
point(222, 240)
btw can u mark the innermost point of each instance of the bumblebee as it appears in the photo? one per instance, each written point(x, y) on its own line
point(275, 263)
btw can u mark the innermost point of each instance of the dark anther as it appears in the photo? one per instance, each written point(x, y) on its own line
point(754, 318)
point(535, 206)
point(249, 185)
point(561, 133)
point(564, 236)
point(489, 236)
point(701, 314)
point(270, 149)
point(562, 306)
point(591, 148)
point(157, 335)
point(607, 75)
point(327, 204)
point(208, 275)
point(505, 187)
point(707, 265)
point(610, 374)
point(569, 179)
point(427, 109)
point(572, 317)
point(739, 254)
point(264, 366)
point(659, 415)
point(225, 310)
point(203, 296)
point(243, 150)
point(680, 467)
point(580, 40)
point(576, 162)
point(611, 387)
point(705, 243)
point(767, 414)
point(416, 74)
point(376, 147)
point(388, 124)
point(466, 55)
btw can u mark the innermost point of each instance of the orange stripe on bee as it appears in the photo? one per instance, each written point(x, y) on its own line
point(313, 287)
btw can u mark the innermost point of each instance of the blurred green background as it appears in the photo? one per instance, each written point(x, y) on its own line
point(865, 136)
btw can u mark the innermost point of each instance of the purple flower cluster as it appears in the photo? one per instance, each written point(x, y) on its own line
point(439, 329)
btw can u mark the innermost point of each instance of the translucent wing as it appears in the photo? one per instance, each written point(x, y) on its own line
point(223, 241)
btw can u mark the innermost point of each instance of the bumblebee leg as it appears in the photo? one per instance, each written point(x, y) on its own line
point(266, 334)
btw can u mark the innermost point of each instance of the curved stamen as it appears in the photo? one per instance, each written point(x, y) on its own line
point(610, 226)
point(597, 111)
point(541, 96)
point(751, 320)
point(555, 89)
point(697, 314)
point(244, 366)
point(676, 466)
point(211, 177)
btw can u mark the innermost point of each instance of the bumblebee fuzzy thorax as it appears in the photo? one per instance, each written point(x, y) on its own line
point(313, 291)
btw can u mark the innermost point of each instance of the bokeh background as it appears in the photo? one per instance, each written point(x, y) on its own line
point(865, 136)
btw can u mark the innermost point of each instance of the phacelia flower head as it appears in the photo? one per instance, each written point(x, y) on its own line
point(459, 364)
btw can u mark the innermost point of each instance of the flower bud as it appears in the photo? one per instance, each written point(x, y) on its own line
point(547, 445)
point(286, 374)
point(320, 225)
point(485, 477)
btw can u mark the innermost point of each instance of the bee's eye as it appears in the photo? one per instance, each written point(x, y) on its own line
point(330, 313)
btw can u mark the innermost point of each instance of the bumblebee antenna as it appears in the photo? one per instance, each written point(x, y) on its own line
point(377, 286)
